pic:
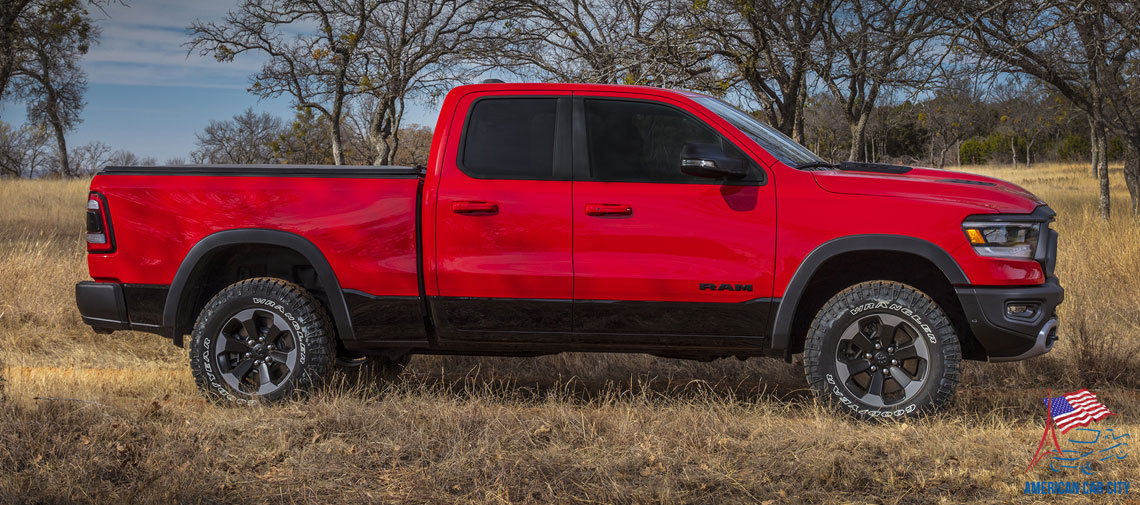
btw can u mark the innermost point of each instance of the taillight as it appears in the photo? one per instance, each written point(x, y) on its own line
point(100, 236)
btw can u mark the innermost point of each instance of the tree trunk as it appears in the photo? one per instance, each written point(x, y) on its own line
point(7, 63)
point(395, 147)
point(858, 137)
point(5, 75)
point(1094, 141)
point(788, 125)
point(335, 137)
point(1013, 149)
point(58, 127)
point(383, 150)
point(383, 130)
point(61, 143)
point(798, 128)
point(336, 115)
point(379, 133)
point(1132, 172)
point(1102, 148)
point(942, 157)
point(1028, 153)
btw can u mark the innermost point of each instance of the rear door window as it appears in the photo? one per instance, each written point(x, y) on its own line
point(510, 138)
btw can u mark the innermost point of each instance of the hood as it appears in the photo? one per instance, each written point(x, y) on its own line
point(932, 184)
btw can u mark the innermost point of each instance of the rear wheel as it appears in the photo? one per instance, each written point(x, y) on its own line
point(882, 349)
point(261, 339)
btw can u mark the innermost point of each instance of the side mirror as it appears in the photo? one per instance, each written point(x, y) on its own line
point(709, 160)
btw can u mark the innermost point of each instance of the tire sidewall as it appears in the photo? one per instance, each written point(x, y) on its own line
point(228, 303)
point(913, 307)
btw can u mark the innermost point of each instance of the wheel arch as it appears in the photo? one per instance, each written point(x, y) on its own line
point(793, 304)
point(178, 311)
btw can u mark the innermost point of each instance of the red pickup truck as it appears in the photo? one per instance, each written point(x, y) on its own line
point(574, 217)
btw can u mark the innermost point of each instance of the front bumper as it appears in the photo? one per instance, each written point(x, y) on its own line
point(102, 305)
point(1007, 336)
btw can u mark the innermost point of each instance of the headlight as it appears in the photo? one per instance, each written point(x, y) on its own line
point(1003, 239)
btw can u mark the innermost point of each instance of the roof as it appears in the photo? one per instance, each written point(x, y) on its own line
point(563, 86)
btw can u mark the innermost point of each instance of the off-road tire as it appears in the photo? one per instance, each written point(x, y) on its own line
point(833, 350)
point(298, 359)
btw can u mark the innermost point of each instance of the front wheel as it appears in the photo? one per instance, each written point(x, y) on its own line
point(882, 349)
point(261, 339)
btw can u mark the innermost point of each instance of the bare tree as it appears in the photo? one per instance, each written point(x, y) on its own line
point(22, 25)
point(1083, 50)
point(951, 115)
point(823, 134)
point(1112, 30)
point(643, 42)
point(315, 68)
point(1026, 115)
point(768, 45)
point(124, 158)
point(871, 46)
point(55, 97)
point(245, 139)
point(301, 142)
point(46, 69)
point(22, 150)
point(416, 140)
point(417, 49)
point(90, 157)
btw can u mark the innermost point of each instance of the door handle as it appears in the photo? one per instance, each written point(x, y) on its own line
point(608, 209)
point(474, 207)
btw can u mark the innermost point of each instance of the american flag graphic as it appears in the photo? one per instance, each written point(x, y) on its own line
point(1076, 409)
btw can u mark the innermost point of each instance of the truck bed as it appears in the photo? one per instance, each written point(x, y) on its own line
point(362, 218)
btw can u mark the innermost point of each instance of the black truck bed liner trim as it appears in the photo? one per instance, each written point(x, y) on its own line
point(340, 171)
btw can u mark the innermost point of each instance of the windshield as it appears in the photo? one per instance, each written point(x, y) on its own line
point(777, 144)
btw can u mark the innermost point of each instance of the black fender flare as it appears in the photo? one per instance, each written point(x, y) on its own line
point(325, 274)
point(786, 312)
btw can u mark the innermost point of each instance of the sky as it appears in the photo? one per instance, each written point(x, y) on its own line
point(145, 94)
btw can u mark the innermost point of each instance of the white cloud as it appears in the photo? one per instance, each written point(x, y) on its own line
point(164, 75)
point(142, 44)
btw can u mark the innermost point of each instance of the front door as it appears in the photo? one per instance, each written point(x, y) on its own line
point(503, 239)
point(657, 251)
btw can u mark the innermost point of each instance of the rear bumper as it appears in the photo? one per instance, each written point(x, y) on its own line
point(1008, 336)
point(110, 306)
point(102, 305)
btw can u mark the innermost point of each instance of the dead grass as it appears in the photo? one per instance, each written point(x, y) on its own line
point(118, 418)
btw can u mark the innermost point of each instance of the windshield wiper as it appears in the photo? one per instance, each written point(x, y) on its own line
point(816, 164)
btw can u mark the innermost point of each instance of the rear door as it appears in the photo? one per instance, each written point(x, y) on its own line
point(503, 234)
point(657, 251)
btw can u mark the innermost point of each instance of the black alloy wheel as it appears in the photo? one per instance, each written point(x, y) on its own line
point(256, 351)
point(882, 359)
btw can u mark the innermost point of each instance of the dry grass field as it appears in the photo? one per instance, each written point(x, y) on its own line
point(116, 418)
